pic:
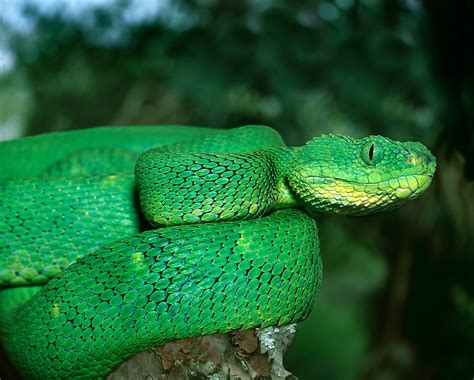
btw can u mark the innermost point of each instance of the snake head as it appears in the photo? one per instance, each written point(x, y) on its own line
point(342, 175)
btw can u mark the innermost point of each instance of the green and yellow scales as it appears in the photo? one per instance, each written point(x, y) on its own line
point(114, 240)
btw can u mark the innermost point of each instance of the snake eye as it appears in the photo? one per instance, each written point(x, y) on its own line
point(372, 153)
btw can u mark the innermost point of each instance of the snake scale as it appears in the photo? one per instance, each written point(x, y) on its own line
point(221, 239)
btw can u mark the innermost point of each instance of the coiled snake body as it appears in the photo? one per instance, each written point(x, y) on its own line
point(232, 249)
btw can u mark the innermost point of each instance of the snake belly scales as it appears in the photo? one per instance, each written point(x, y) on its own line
point(209, 235)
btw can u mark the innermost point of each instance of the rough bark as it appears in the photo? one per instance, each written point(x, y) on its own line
point(249, 354)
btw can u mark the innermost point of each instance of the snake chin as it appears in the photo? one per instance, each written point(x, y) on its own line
point(423, 181)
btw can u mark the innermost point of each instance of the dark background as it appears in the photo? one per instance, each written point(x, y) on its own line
point(397, 300)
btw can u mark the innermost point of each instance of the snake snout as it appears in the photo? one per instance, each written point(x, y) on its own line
point(420, 157)
point(429, 163)
point(428, 159)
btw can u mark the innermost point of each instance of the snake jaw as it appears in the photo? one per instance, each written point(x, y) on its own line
point(352, 198)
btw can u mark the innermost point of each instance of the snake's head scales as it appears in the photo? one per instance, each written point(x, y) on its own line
point(339, 174)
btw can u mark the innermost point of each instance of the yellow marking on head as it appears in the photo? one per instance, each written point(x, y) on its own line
point(424, 181)
point(336, 190)
point(403, 182)
point(336, 187)
point(375, 199)
point(412, 183)
point(402, 193)
point(345, 189)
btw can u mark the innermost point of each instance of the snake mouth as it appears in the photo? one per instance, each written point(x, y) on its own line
point(340, 196)
point(417, 184)
point(401, 179)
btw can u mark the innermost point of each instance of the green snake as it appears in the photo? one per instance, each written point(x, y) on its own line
point(221, 241)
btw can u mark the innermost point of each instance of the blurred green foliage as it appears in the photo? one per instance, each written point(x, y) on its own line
point(398, 294)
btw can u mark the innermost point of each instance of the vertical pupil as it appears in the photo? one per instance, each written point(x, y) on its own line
point(371, 152)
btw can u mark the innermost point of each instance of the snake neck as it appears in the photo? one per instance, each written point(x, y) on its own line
point(285, 195)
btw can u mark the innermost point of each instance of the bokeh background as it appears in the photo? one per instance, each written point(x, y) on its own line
point(397, 300)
